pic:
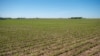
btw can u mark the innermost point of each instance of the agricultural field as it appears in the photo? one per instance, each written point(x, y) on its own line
point(50, 37)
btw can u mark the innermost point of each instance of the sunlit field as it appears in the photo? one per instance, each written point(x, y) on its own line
point(50, 37)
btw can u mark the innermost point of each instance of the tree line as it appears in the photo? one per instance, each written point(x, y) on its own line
point(1, 18)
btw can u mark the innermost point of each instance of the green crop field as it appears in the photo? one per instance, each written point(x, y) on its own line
point(50, 37)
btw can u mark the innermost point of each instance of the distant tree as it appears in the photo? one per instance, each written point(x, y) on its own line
point(76, 18)
point(2, 18)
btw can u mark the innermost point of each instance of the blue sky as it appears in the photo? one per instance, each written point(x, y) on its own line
point(50, 8)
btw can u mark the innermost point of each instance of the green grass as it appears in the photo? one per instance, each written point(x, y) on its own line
point(52, 37)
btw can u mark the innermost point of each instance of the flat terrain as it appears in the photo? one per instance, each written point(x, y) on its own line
point(62, 37)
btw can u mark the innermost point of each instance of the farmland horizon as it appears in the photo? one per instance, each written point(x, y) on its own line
point(52, 17)
point(45, 18)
